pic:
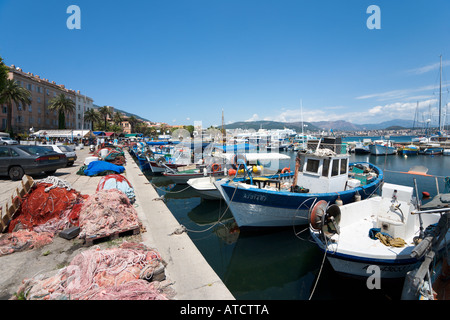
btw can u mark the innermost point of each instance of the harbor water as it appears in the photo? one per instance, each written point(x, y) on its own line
point(284, 264)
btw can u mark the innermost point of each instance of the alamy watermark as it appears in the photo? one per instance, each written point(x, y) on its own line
point(74, 20)
point(374, 280)
point(374, 21)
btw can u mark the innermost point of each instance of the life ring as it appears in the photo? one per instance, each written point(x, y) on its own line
point(286, 170)
point(215, 167)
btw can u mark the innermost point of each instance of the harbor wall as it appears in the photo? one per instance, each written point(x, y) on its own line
point(192, 276)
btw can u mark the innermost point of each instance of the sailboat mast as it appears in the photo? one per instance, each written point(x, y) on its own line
point(440, 94)
point(301, 113)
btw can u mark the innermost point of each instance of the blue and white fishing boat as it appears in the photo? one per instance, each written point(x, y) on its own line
point(382, 147)
point(409, 150)
point(433, 150)
point(379, 232)
point(285, 200)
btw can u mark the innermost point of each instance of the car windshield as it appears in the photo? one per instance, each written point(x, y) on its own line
point(35, 149)
point(66, 148)
point(6, 138)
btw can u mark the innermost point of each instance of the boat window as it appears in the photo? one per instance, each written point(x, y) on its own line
point(343, 166)
point(325, 167)
point(335, 168)
point(312, 166)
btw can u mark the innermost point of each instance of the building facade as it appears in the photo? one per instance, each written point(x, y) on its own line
point(83, 104)
point(36, 116)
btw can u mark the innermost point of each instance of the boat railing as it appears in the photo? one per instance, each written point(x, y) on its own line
point(333, 144)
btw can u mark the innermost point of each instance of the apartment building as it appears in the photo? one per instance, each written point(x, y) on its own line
point(36, 116)
point(83, 104)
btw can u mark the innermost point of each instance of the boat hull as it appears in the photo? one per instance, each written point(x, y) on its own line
point(433, 151)
point(362, 267)
point(377, 150)
point(362, 150)
point(182, 178)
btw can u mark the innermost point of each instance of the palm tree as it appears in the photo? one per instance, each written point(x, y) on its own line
point(117, 118)
point(13, 92)
point(92, 116)
point(105, 112)
point(133, 121)
point(63, 105)
point(3, 74)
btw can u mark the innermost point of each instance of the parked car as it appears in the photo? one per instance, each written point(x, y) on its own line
point(17, 160)
point(68, 151)
point(7, 140)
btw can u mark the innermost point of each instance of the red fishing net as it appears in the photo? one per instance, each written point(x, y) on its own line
point(50, 211)
point(112, 274)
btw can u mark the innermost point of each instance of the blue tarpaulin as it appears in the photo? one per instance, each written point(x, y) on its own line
point(96, 167)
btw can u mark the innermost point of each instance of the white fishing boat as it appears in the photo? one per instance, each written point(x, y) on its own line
point(380, 232)
point(256, 161)
point(205, 187)
point(284, 200)
point(183, 174)
point(382, 147)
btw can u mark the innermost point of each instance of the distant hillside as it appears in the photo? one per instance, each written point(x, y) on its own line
point(339, 125)
point(269, 125)
point(336, 125)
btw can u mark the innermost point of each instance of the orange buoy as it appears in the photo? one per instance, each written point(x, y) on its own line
point(425, 194)
point(231, 172)
point(286, 170)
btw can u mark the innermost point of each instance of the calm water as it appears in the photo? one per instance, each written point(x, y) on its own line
point(284, 263)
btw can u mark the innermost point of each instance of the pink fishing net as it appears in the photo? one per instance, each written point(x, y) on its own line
point(23, 240)
point(112, 274)
point(107, 212)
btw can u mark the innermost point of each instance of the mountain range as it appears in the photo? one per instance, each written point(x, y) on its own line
point(339, 125)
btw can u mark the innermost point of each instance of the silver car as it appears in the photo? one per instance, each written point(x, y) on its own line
point(67, 150)
point(7, 140)
point(17, 160)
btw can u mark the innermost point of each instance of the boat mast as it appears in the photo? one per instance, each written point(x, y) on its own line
point(301, 113)
point(440, 95)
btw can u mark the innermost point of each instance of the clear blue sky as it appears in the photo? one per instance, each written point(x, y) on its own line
point(181, 61)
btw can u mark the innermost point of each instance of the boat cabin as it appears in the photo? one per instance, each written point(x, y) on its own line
point(322, 174)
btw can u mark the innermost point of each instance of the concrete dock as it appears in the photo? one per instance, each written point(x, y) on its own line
point(187, 269)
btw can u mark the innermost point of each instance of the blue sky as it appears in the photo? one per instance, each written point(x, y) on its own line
point(184, 61)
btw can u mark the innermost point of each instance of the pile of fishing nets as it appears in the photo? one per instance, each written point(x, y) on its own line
point(111, 274)
point(117, 181)
point(113, 155)
point(23, 240)
point(51, 205)
point(107, 212)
